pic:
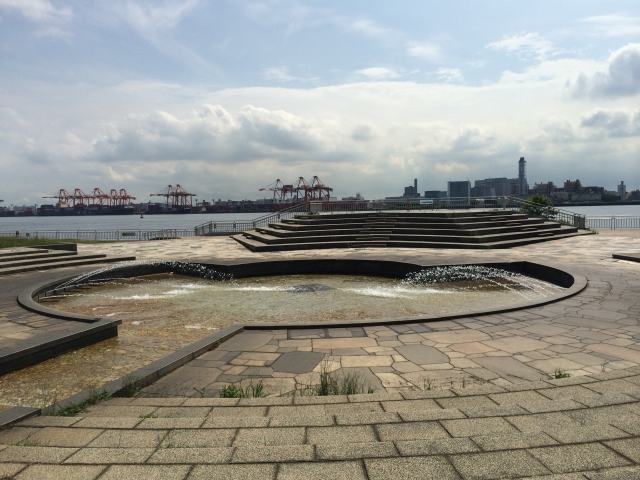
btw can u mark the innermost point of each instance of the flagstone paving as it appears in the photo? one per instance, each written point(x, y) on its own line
point(472, 398)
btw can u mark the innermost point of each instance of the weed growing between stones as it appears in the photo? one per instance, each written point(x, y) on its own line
point(560, 374)
point(332, 384)
point(71, 410)
point(236, 391)
point(130, 388)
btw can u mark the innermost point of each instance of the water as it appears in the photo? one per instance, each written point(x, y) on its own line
point(119, 222)
point(189, 221)
point(206, 304)
point(606, 210)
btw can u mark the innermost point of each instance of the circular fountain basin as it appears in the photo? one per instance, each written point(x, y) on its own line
point(181, 305)
point(167, 306)
point(207, 296)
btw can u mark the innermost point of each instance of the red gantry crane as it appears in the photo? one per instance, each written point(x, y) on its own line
point(301, 191)
point(98, 198)
point(177, 197)
point(281, 192)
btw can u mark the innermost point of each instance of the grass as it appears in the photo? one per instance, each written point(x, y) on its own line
point(130, 388)
point(331, 384)
point(560, 374)
point(72, 410)
point(12, 242)
point(236, 391)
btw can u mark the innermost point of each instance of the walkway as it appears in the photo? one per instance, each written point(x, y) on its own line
point(468, 399)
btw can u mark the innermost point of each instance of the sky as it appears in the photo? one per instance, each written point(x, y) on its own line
point(223, 97)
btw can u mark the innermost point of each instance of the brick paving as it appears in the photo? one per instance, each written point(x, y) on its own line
point(468, 399)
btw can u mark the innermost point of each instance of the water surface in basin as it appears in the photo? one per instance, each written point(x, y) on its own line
point(188, 303)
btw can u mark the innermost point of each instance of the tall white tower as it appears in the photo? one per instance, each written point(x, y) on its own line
point(523, 186)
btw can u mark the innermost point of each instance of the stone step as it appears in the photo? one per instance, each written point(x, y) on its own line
point(9, 252)
point(35, 256)
point(73, 262)
point(430, 236)
point(53, 258)
point(257, 246)
point(452, 229)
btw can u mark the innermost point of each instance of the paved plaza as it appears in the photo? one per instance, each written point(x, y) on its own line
point(472, 398)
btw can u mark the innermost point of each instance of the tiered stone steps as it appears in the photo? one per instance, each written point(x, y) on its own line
point(548, 430)
point(483, 229)
point(30, 259)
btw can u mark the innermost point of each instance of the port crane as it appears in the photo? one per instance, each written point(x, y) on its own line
point(176, 197)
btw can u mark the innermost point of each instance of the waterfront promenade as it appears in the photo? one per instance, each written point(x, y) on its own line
point(473, 398)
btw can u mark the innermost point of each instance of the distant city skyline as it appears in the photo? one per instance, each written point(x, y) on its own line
point(224, 97)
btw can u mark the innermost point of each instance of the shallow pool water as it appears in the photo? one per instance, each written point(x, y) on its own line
point(188, 303)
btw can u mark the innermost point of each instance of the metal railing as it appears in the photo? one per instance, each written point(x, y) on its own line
point(214, 227)
point(552, 213)
point(613, 223)
point(317, 206)
point(104, 235)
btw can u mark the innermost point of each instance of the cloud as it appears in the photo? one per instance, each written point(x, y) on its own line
point(613, 123)
point(449, 74)
point(282, 74)
point(614, 24)
point(369, 28)
point(155, 21)
point(52, 21)
point(371, 137)
point(40, 11)
point(210, 133)
point(424, 50)
point(378, 73)
point(523, 45)
point(362, 133)
point(620, 78)
point(150, 16)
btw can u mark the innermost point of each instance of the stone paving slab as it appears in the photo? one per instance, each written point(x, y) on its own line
point(489, 409)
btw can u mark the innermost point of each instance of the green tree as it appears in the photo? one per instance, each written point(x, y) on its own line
point(540, 206)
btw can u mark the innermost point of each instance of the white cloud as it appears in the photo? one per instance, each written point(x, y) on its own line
point(614, 24)
point(449, 74)
point(155, 21)
point(229, 142)
point(41, 11)
point(621, 76)
point(148, 16)
point(369, 28)
point(424, 50)
point(615, 123)
point(282, 74)
point(524, 45)
point(52, 21)
point(378, 73)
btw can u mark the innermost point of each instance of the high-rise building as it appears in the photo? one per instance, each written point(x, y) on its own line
point(523, 187)
point(459, 189)
point(435, 194)
point(622, 190)
point(495, 187)
point(412, 190)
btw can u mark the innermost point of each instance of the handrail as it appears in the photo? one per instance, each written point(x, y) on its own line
point(102, 235)
point(213, 227)
point(550, 212)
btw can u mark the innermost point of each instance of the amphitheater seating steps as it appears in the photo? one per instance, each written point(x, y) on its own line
point(422, 229)
point(21, 260)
